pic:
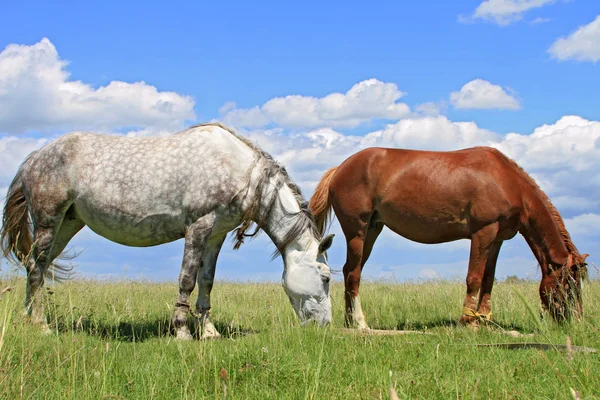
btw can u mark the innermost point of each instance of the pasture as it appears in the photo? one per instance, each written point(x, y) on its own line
point(113, 342)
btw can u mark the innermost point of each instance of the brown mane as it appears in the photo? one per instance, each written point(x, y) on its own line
point(553, 211)
point(414, 193)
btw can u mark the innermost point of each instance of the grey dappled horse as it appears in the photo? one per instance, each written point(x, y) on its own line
point(198, 184)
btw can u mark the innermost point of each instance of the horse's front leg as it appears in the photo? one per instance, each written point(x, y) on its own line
point(481, 244)
point(196, 237)
point(485, 294)
point(206, 277)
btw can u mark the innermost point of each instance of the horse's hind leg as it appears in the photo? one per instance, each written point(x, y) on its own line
point(357, 313)
point(71, 224)
point(51, 235)
point(196, 237)
point(359, 242)
point(44, 234)
point(206, 277)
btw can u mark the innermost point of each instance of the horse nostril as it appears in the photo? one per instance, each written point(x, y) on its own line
point(325, 278)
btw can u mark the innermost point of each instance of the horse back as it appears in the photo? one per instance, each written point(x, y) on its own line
point(460, 189)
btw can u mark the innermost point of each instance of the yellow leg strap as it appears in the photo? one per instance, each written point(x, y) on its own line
point(472, 313)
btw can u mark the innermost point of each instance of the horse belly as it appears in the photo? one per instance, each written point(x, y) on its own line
point(150, 229)
point(425, 227)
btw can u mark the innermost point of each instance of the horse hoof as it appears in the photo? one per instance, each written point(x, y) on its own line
point(469, 322)
point(210, 335)
point(358, 328)
point(46, 330)
point(351, 324)
point(183, 335)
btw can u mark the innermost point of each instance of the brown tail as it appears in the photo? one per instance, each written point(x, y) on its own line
point(15, 235)
point(319, 202)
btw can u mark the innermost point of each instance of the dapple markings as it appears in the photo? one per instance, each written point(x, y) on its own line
point(199, 184)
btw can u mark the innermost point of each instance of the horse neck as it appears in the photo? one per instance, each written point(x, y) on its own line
point(542, 233)
point(283, 219)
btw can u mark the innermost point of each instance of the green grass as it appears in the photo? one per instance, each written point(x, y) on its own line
point(113, 343)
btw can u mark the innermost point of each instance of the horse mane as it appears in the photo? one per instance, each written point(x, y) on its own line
point(264, 190)
point(553, 211)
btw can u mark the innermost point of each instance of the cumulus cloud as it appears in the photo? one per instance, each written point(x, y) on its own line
point(308, 154)
point(562, 157)
point(482, 94)
point(36, 94)
point(576, 203)
point(504, 12)
point(427, 273)
point(581, 45)
point(13, 151)
point(365, 101)
point(430, 108)
point(584, 224)
point(570, 144)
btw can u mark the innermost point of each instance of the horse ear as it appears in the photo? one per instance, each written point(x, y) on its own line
point(584, 256)
point(326, 243)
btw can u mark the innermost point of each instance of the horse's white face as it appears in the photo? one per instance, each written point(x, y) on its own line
point(306, 282)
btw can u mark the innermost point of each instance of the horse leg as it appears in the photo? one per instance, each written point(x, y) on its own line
point(352, 270)
point(206, 277)
point(372, 234)
point(481, 242)
point(485, 294)
point(196, 237)
point(356, 314)
point(70, 225)
point(44, 234)
point(49, 242)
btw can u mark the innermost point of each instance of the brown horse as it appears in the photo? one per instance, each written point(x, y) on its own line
point(436, 197)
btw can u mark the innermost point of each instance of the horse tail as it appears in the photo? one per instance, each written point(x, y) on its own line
point(319, 202)
point(15, 235)
point(16, 239)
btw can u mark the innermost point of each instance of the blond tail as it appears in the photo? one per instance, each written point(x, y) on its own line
point(319, 202)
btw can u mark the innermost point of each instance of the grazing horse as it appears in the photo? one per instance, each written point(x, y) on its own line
point(198, 184)
point(436, 197)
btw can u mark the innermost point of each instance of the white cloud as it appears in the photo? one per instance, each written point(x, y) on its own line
point(430, 108)
point(539, 20)
point(504, 12)
point(562, 157)
point(482, 94)
point(570, 144)
point(427, 273)
point(307, 155)
point(574, 203)
point(434, 133)
point(36, 94)
point(365, 101)
point(150, 132)
point(583, 225)
point(581, 45)
point(13, 151)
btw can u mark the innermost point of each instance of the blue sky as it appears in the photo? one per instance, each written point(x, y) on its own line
point(519, 75)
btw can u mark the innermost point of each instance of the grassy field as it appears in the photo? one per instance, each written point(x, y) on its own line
point(113, 343)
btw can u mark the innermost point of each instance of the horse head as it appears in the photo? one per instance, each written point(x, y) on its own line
point(560, 290)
